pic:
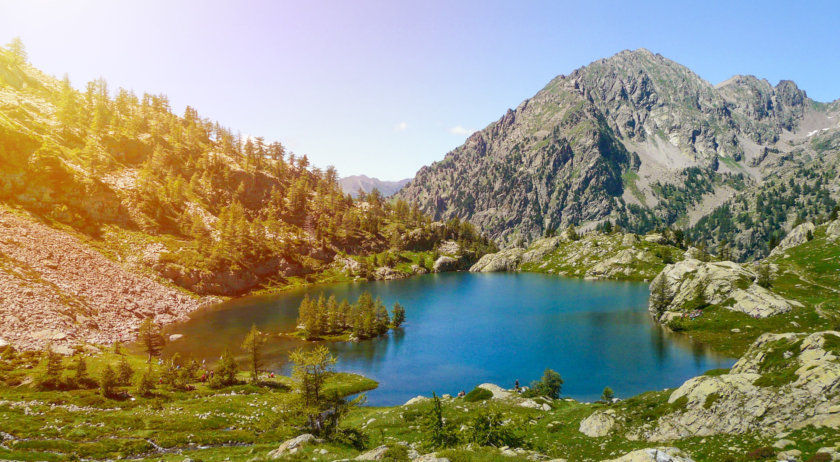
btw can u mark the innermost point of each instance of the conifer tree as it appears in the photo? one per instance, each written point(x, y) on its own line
point(253, 347)
point(399, 315)
point(151, 338)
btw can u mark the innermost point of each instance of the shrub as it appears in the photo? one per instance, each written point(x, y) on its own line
point(489, 429)
point(396, 453)
point(124, 372)
point(478, 394)
point(711, 399)
point(437, 431)
point(762, 453)
point(820, 457)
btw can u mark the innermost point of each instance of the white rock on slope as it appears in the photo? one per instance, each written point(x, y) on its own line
point(796, 236)
point(654, 455)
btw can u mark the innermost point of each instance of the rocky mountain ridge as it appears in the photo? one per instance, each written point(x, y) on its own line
point(352, 184)
point(635, 139)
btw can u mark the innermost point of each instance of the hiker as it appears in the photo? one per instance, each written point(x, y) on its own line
point(516, 385)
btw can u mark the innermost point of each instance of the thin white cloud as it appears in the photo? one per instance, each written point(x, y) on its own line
point(459, 130)
point(400, 127)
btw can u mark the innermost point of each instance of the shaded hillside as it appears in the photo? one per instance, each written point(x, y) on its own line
point(635, 139)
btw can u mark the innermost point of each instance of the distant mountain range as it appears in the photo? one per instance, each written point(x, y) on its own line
point(352, 184)
point(643, 142)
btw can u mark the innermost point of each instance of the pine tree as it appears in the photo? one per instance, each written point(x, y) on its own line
point(124, 372)
point(253, 347)
point(18, 50)
point(399, 315)
point(107, 382)
point(151, 338)
point(226, 370)
point(382, 320)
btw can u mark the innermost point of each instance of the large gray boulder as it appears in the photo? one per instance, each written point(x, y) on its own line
point(833, 230)
point(292, 446)
point(374, 454)
point(505, 260)
point(796, 236)
point(446, 263)
point(598, 424)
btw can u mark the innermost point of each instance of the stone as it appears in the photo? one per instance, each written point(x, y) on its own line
point(781, 444)
point(445, 263)
point(431, 458)
point(833, 230)
point(374, 454)
point(598, 424)
point(797, 236)
point(449, 248)
point(665, 454)
point(291, 446)
point(656, 238)
point(498, 392)
point(629, 239)
point(789, 456)
point(175, 337)
point(415, 400)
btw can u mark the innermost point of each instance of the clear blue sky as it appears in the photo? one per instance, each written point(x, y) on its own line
point(384, 87)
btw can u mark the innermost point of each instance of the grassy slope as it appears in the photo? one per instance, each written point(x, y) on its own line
point(575, 258)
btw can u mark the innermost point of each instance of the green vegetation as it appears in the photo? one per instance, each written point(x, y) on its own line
point(229, 214)
point(478, 394)
point(331, 320)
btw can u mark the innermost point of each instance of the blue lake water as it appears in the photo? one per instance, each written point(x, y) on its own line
point(463, 329)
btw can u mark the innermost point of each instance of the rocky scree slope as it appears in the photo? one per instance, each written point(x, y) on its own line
point(636, 139)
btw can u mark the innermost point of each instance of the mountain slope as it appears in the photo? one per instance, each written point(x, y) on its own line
point(636, 139)
point(352, 184)
point(171, 207)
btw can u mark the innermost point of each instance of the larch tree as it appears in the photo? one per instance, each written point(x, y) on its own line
point(252, 345)
point(151, 338)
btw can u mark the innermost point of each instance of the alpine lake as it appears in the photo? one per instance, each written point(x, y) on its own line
point(464, 329)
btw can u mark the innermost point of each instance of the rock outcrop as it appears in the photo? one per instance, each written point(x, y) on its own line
point(784, 381)
point(797, 236)
point(505, 260)
point(690, 283)
point(292, 446)
point(833, 230)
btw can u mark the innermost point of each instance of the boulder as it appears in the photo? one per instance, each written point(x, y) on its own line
point(598, 424)
point(628, 240)
point(445, 263)
point(498, 392)
point(654, 455)
point(415, 400)
point(656, 238)
point(291, 446)
point(3, 344)
point(175, 337)
point(759, 302)
point(374, 454)
point(431, 458)
point(833, 230)
point(385, 273)
point(796, 236)
point(693, 252)
point(505, 260)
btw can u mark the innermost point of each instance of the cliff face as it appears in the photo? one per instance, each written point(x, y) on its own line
point(636, 139)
